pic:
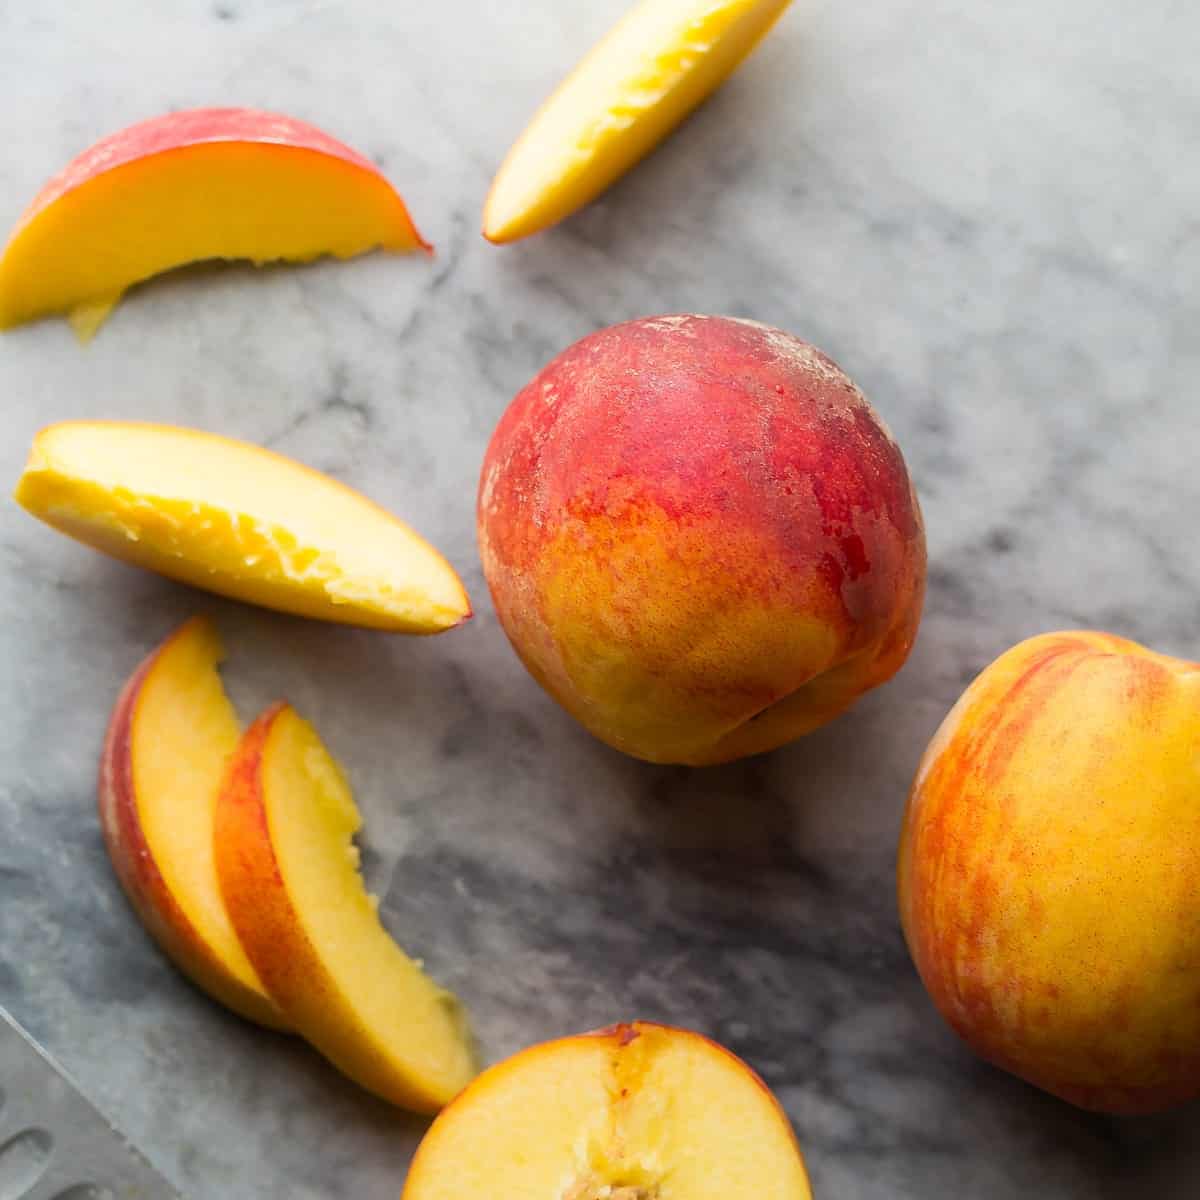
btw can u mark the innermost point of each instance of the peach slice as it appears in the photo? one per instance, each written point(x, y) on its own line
point(635, 1112)
point(288, 868)
point(656, 65)
point(171, 733)
point(241, 521)
point(202, 184)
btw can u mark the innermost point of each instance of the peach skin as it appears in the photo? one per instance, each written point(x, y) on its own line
point(171, 731)
point(700, 538)
point(200, 184)
point(1049, 870)
point(633, 1112)
point(288, 871)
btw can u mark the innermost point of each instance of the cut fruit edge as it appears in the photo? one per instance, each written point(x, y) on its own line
point(292, 573)
point(284, 948)
point(618, 1115)
point(164, 137)
point(629, 70)
point(138, 871)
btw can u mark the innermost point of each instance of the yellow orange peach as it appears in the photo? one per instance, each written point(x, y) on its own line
point(1049, 870)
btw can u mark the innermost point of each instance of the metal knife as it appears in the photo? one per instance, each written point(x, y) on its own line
point(54, 1143)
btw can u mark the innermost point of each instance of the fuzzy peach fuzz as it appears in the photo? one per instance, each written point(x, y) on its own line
point(700, 538)
point(1049, 870)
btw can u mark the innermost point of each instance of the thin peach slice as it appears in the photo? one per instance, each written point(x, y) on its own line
point(656, 65)
point(634, 1112)
point(171, 734)
point(241, 521)
point(212, 183)
point(288, 868)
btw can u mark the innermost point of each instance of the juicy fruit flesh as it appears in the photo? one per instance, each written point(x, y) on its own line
point(592, 1189)
point(230, 200)
point(653, 68)
point(312, 820)
point(233, 518)
point(184, 730)
point(642, 1112)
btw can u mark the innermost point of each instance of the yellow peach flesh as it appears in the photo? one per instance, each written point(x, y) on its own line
point(636, 1112)
point(186, 187)
point(289, 874)
point(239, 520)
point(184, 730)
point(172, 733)
point(634, 87)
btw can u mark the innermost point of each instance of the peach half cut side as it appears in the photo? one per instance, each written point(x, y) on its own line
point(211, 183)
point(634, 1112)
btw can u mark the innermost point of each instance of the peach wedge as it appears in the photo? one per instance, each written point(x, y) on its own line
point(653, 68)
point(241, 521)
point(213, 183)
point(164, 758)
point(288, 868)
point(635, 1112)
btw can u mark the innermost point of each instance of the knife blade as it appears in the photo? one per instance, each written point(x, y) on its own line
point(54, 1143)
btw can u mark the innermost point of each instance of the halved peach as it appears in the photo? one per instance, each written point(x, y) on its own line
point(201, 184)
point(653, 68)
point(239, 520)
point(634, 1112)
point(171, 734)
point(288, 868)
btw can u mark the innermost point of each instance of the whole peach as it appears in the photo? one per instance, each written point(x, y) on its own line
point(1049, 870)
point(700, 538)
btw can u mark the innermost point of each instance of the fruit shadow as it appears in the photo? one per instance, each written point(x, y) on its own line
point(325, 1106)
point(1055, 1149)
point(205, 278)
point(182, 296)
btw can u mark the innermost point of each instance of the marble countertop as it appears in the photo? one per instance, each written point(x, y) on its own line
point(985, 213)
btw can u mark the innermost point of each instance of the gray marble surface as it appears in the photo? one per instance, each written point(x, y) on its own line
point(986, 213)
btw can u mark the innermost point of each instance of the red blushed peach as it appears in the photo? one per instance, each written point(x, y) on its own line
point(700, 538)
